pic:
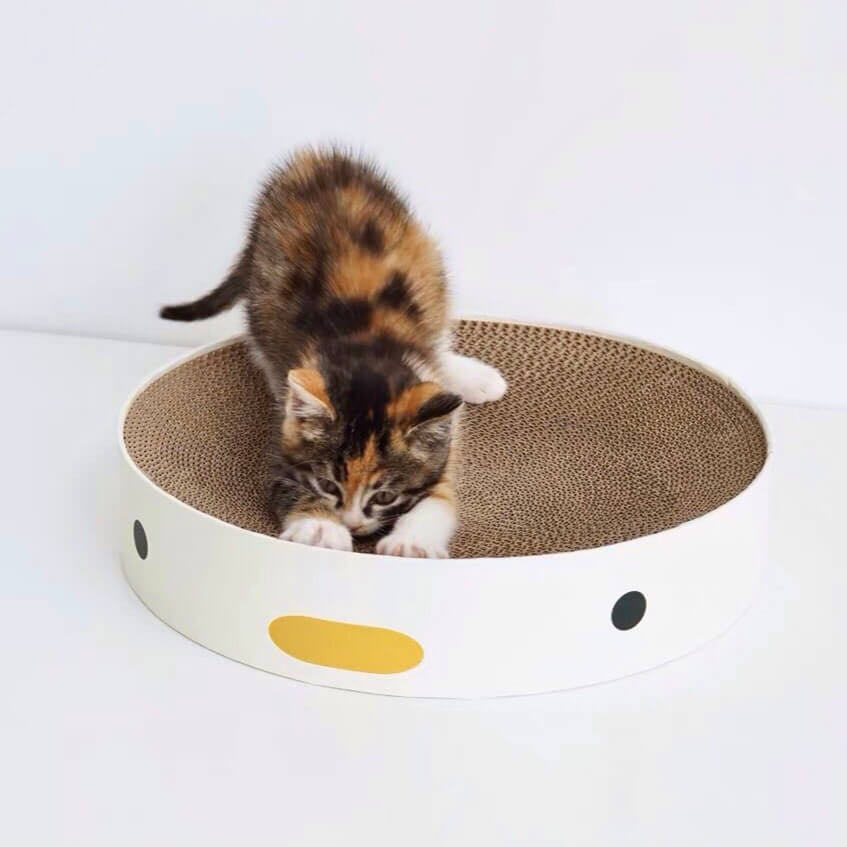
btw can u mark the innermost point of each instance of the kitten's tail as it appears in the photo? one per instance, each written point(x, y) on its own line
point(221, 298)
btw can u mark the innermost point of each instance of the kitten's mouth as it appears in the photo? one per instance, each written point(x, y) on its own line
point(368, 532)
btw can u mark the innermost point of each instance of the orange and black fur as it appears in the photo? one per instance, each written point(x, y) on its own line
point(347, 309)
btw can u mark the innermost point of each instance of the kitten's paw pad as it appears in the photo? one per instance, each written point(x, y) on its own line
point(398, 544)
point(475, 381)
point(319, 532)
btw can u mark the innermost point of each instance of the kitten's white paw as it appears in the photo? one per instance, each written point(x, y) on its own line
point(488, 386)
point(473, 380)
point(319, 532)
point(411, 546)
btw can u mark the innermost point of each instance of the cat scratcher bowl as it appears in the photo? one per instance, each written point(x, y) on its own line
point(612, 518)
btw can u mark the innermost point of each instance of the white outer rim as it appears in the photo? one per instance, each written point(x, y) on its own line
point(365, 588)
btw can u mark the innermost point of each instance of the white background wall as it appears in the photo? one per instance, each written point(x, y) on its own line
point(666, 169)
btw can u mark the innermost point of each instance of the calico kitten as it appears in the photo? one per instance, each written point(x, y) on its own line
point(348, 318)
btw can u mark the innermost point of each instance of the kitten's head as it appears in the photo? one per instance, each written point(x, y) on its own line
point(367, 452)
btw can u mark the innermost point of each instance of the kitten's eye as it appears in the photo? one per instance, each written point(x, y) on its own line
point(384, 498)
point(329, 487)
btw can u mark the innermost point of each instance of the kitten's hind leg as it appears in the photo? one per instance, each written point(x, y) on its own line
point(261, 361)
point(471, 379)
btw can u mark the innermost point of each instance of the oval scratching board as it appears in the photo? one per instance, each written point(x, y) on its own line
point(598, 441)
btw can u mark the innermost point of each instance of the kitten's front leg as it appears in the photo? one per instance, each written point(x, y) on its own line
point(317, 528)
point(424, 532)
point(471, 379)
point(303, 518)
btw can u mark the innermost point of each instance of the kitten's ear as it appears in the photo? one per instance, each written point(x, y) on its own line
point(307, 395)
point(428, 411)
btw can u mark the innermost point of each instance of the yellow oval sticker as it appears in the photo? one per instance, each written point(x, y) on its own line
point(350, 646)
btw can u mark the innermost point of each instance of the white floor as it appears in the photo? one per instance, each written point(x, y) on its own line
point(115, 730)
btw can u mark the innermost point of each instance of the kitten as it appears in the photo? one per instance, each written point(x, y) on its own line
point(347, 311)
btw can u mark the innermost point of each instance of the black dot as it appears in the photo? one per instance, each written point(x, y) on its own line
point(140, 537)
point(629, 610)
